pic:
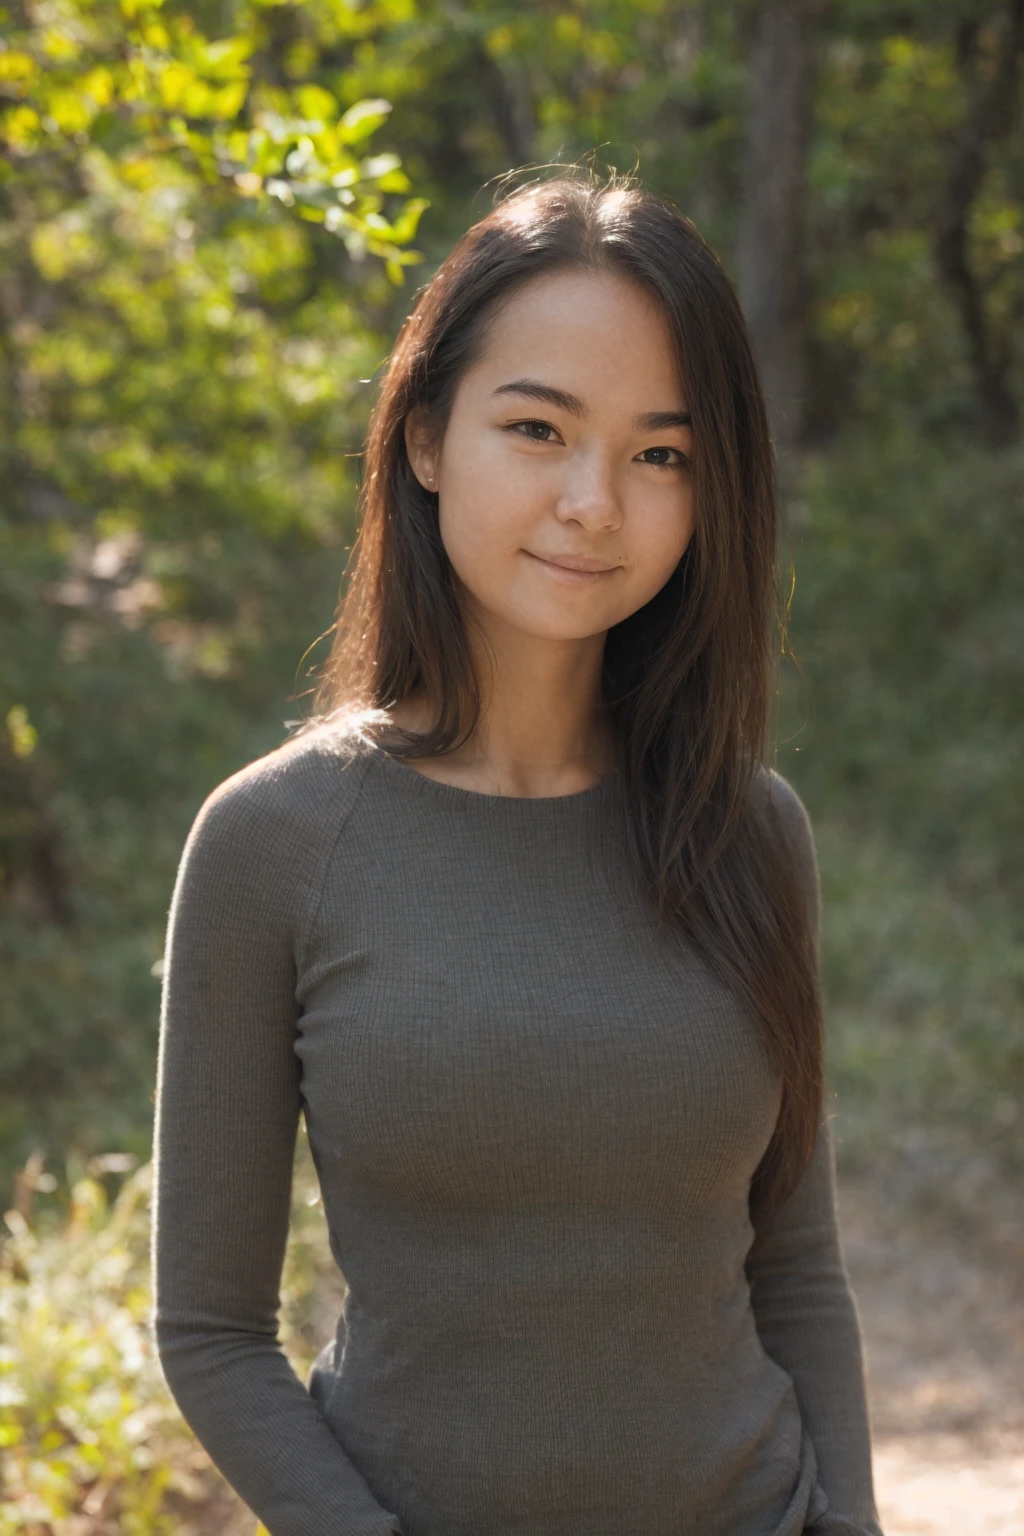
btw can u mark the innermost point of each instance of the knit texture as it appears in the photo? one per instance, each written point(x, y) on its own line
point(535, 1116)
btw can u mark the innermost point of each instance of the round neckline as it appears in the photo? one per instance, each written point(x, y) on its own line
point(457, 795)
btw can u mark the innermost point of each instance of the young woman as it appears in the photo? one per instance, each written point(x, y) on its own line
point(526, 928)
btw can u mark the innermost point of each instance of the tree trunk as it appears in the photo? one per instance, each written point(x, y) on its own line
point(989, 119)
point(512, 105)
point(770, 255)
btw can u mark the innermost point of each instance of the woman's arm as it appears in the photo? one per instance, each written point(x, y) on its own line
point(227, 1108)
point(803, 1306)
point(807, 1321)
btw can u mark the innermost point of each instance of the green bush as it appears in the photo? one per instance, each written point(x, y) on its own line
point(88, 1426)
point(88, 1423)
point(905, 737)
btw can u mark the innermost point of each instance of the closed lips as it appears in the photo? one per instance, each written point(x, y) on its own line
point(575, 563)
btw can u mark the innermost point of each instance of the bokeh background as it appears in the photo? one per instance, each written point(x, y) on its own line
point(213, 217)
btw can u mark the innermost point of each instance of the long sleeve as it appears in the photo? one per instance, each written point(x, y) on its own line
point(803, 1306)
point(227, 1107)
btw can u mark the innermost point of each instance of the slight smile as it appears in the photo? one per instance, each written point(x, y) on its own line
point(575, 570)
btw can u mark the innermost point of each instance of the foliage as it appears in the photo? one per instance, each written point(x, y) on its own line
point(135, 82)
point(83, 1405)
point(194, 248)
point(89, 1428)
point(905, 737)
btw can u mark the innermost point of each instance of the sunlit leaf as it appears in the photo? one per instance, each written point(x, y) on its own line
point(17, 68)
point(227, 58)
point(314, 102)
point(363, 119)
point(227, 102)
point(20, 127)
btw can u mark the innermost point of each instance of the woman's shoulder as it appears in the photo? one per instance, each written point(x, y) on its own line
point(775, 795)
point(292, 795)
point(775, 798)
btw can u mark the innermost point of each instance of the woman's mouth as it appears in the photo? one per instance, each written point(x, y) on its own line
point(576, 570)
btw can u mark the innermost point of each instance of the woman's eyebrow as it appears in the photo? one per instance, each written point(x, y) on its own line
point(653, 421)
point(546, 392)
point(649, 421)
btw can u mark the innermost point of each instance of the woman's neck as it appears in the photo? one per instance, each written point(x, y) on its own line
point(543, 727)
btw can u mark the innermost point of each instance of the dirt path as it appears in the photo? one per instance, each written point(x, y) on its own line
point(944, 1340)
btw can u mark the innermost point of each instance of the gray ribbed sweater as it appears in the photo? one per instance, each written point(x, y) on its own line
point(535, 1119)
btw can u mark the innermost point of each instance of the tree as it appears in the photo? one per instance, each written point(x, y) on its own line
point(989, 118)
point(771, 259)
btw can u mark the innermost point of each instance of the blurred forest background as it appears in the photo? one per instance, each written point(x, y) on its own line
point(213, 216)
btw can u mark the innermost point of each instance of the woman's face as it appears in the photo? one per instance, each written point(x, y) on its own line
point(563, 480)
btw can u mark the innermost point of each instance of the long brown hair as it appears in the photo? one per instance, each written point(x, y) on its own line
point(689, 678)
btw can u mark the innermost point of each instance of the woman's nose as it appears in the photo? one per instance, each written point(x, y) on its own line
point(589, 494)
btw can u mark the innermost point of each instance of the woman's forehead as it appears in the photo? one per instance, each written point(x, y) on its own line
point(583, 334)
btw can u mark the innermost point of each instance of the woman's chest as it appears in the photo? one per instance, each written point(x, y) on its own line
point(495, 1035)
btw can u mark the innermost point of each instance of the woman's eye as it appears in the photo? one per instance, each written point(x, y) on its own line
point(537, 432)
point(525, 429)
point(666, 463)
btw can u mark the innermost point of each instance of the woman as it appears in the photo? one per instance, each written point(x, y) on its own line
point(523, 925)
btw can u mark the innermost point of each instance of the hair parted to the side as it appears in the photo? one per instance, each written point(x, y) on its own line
point(689, 678)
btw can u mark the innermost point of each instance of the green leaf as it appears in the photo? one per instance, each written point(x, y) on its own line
point(362, 119)
point(407, 223)
point(314, 102)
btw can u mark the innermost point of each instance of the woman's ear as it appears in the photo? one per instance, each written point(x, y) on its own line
point(421, 448)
